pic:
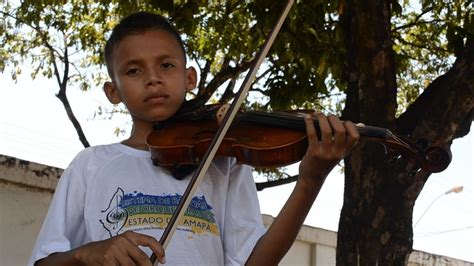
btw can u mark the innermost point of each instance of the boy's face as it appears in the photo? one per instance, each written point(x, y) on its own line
point(150, 76)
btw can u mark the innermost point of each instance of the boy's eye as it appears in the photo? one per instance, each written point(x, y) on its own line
point(132, 71)
point(167, 65)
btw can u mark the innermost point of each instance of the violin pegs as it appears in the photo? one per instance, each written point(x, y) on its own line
point(413, 169)
point(392, 159)
point(414, 172)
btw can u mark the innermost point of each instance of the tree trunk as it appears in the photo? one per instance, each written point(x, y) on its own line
point(375, 227)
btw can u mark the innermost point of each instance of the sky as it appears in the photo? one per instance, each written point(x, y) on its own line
point(34, 127)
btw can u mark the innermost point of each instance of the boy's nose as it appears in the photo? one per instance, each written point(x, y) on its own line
point(153, 79)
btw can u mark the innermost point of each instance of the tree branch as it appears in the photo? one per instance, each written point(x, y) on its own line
point(415, 21)
point(62, 81)
point(204, 74)
point(263, 185)
point(223, 76)
point(448, 100)
point(229, 91)
point(439, 49)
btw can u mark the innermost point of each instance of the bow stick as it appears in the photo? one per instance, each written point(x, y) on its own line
point(221, 132)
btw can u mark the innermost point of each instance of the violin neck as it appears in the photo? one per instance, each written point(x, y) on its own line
point(295, 121)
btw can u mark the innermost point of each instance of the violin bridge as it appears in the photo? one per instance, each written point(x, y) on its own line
point(221, 112)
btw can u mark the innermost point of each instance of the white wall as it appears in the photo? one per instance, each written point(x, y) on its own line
point(26, 190)
point(22, 213)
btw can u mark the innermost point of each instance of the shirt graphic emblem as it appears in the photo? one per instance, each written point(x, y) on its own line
point(138, 211)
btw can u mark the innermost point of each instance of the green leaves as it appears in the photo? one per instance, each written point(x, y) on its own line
point(305, 64)
point(427, 35)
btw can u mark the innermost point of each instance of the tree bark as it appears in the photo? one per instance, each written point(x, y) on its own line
point(375, 227)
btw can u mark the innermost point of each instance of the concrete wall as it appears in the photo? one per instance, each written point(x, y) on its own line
point(314, 246)
point(419, 258)
point(26, 190)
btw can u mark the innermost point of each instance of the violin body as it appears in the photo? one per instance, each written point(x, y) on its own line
point(252, 144)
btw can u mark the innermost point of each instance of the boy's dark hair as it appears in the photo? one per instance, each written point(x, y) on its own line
point(136, 23)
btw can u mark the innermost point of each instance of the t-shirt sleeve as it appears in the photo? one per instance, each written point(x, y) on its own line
point(63, 228)
point(243, 224)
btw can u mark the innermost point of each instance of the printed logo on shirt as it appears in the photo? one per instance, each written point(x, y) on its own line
point(138, 211)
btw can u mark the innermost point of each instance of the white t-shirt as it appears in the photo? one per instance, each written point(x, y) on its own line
point(110, 189)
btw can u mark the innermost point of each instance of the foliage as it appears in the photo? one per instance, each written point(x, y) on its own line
point(307, 55)
point(49, 37)
point(427, 36)
point(65, 42)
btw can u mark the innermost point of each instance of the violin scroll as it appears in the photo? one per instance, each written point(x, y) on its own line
point(421, 155)
point(438, 158)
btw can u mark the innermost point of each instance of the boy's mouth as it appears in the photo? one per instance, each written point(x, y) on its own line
point(156, 97)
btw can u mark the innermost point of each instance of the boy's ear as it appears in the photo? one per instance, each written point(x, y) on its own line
point(112, 93)
point(191, 79)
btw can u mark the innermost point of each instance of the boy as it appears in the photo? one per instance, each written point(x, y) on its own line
point(111, 203)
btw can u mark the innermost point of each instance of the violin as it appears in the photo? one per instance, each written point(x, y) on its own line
point(264, 140)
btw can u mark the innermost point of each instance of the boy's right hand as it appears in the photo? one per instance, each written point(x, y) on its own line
point(120, 250)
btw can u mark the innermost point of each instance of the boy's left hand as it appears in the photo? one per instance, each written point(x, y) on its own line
point(337, 139)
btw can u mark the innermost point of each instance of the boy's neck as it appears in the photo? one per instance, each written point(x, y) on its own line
point(138, 137)
point(139, 145)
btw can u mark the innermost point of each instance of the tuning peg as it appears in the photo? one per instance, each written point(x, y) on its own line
point(413, 169)
point(413, 173)
point(392, 159)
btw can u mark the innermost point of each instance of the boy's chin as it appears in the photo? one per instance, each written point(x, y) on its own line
point(161, 116)
point(152, 119)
